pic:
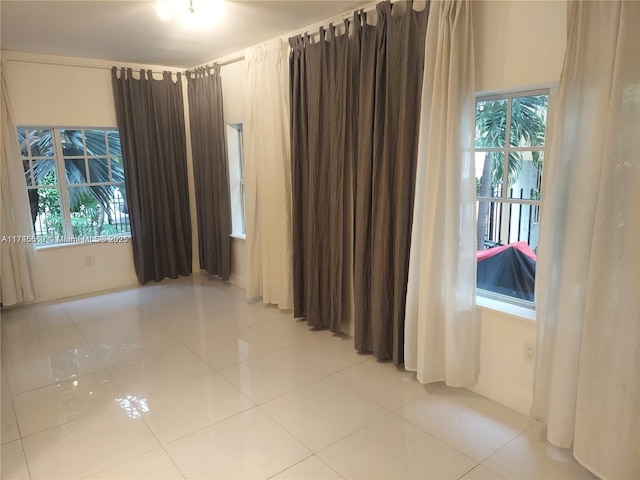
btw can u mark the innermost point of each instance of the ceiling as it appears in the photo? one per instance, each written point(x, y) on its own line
point(132, 32)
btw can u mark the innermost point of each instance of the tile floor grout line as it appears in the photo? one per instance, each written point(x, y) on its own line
point(438, 439)
point(242, 318)
point(291, 466)
point(162, 446)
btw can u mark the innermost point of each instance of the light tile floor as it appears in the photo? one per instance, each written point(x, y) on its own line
point(188, 379)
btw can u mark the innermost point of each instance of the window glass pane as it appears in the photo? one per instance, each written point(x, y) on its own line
point(504, 266)
point(119, 216)
point(99, 170)
point(489, 227)
point(114, 143)
point(76, 170)
point(27, 172)
point(509, 271)
point(96, 142)
point(525, 175)
point(117, 169)
point(489, 174)
point(491, 123)
point(22, 142)
point(40, 143)
point(72, 145)
point(97, 211)
point(87, 214)
point(46, 215)
point(504, 223)
point(44, 172)
point(528, 120)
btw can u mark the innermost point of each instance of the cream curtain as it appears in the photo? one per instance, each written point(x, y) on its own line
point(17, 259)
point(441, 330)
point(587, 386)
point(267, 156)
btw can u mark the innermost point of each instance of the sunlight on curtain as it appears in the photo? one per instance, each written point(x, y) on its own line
point(442, 330)
point(587, 386)
point(17, 259)
point(267, 154)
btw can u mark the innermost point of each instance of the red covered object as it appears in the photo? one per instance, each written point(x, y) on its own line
point(522, 246)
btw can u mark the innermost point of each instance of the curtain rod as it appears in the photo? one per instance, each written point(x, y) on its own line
point(80, 65)
point(236, 59)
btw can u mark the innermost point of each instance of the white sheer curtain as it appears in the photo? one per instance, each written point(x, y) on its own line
point(268, 175)
point(587, 386)
point(442, 332)
point(16, 262)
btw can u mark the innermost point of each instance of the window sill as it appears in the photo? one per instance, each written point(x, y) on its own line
point(119, 240)
point(523, 313)
point(238, 236)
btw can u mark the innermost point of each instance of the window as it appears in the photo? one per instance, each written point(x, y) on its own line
point(510, 143)
point(235, 144)
point(75, 183)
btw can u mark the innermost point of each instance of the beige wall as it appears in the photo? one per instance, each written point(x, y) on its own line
point(518, 43)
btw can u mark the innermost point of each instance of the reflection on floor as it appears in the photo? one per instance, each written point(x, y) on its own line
point(188, 379)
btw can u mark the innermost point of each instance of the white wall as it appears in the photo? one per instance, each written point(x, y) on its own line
point(518, 45)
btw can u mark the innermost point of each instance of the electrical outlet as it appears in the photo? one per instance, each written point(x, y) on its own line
point(89, 261)
point(529, 352)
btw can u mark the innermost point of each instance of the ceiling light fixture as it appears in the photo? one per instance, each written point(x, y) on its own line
point(167, 9)
point(192, 14)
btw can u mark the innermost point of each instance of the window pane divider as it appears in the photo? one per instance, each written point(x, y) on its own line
point(519, 201)
point(510, 149)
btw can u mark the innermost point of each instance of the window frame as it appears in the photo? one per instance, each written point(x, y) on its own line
point(505, 150)
point(62, 184)
point(237, 189)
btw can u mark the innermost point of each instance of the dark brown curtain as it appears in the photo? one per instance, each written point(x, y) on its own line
point(150, 115)
point(388, 70)
point(211, 170)
point(319, 98)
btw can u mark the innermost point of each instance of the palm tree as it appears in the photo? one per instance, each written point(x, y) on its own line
point(527, 128)
point(100, 196)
